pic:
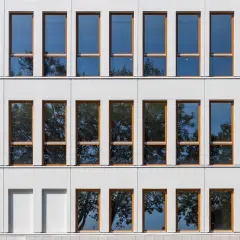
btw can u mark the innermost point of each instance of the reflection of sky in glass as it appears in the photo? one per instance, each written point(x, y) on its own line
point(88, 66)
point(21, 66)
point(91, 223)
point(221, 66)
point(154, 66)
point(188, 66)
point(121, 66)
point(154, 221)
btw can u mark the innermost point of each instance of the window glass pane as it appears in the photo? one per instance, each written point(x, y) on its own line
point(121, 66)
point(21, 66)
point(220, 154)
point(55, 155)
point(87, 207)
point(55, 66)
point(154, 66)
point(21, 154)
point(188, 154)
point(221, 66)
point(88, 66)
point(121, 155)
point(187, 66)
point(154, 154)
point(88, 154)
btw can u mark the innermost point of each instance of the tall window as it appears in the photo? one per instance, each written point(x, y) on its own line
point(21, 145)
point(155, 44)
point(121, 44)
point(221, 46)
point(188, 130)
point(88, 133)
point(21, 44)
point(55, 44)
point(155, 115)
point(88, 44)
point(54, 117)
point(221, 145)
point(121, 132)
point(188, 44)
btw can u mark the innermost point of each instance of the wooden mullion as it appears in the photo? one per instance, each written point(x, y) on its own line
point(121, 143)
point(149, 143)
point(221, 143)
point(83, 143)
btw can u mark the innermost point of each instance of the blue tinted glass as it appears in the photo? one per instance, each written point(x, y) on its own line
point(187, 154)
point(21, 66)
point(187, 34)
point(55, 27)
point(220, 154)
point(154, 66)
point(221, 66)
point(21, 33)
point(88, 66)
point(88, 33)
point(221, 33)
point(87, 154)
point(121, 66)
point(154, 33)
point(121, 32)
point(188, 66)
point(55, 66)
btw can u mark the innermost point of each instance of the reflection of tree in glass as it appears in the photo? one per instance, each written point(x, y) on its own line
point(124, 71)
point(150, 70)
point(225, 133)
point(25, 67)
point(54, 67)
point(121, 154)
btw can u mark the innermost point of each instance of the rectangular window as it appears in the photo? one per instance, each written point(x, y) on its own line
point(155, 44)
point(54, 117)
point(88, 133)
point(121, 207)
point(121, 44)
point(221, 209)
point(21, 145)
point(55, 44)
point(188, 44)
point(155, 132)
point(154, 210)
point(188, 210)
point(88, 44)
point(21, 44)
point(221, 44)
point(121, 132)
point(221, 121)
point(87, 202)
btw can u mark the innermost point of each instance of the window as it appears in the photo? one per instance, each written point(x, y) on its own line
point(121, 132)
point(88, 44)
point(21, 145)
point(21, 44)
point(221, 145)
point(54, 132)
point(55, 47)
point(87, 210)
point(88, 133)
point(188, 44)
point(221, 209)
point(221, 47)
point(155, 132)
point(155, 44)
point(121, 44)
point(188, 210)
point(188, 130)
point(121, 205)
point(154, 210)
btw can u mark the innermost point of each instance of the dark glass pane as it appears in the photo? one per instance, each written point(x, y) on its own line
point(121, 155)
point(21, 154)
point(54, 121)
point(21, 66)
point(221, 210)
point(221, 33)
point(121, 33)
point(221, 66)
point(88, 33)
point(221, 121)
point(88, 66)
point(220, 154)
point(55, 33)
point(21, 122)
point(121, 66)
point(154, 154)
point(55, 155)
point(121, 210)
point(187, 125)
point(154, 33)
point(154, 66)
point(88, 155)
point(87, 207)
point(55, 66)
point(187, 205)
point(187, 33)
point(188, 154)
point(187, 66)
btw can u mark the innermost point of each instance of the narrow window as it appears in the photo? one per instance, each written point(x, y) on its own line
point(88, 44)
point(154, 210)
point(54, 132)
point(121, 131)
point(21, 145)
point(155, 114)
point(88, 132)
point(221, 145)
point(87, 210)
point(21, 44)
point(154, 44)
point(121, 44)
point(121, 205)
point(221, 47)
point(55, 49)
point(188, 44)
